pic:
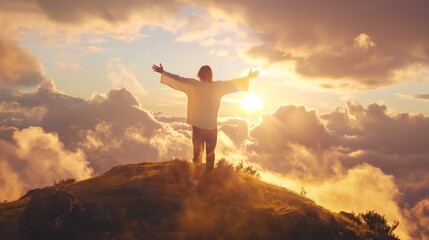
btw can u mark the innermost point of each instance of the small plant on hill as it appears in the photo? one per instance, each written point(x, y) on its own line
point(224, 164)
point(248, 170)
point(224, 168)
point(372, 225)
point(378, 224)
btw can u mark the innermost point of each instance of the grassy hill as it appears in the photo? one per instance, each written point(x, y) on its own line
point(158, 201)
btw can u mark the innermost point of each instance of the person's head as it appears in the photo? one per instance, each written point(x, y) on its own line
point(205, 74)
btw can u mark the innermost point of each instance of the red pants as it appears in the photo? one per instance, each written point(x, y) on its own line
point(209, 137)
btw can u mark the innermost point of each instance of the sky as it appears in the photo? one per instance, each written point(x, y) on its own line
point(340, 107)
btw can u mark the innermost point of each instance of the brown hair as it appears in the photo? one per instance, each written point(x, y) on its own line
point(205, 74)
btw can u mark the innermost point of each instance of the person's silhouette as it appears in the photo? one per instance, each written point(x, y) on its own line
point(203, 105)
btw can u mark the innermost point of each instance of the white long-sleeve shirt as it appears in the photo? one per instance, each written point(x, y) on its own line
point(204, 97)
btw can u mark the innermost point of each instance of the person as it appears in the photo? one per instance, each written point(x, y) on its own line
point(203, 105)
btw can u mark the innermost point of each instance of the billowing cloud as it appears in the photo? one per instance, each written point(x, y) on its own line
point(18, 66)
point(235, 129)
point(360, 189)
point(396, 143)
point(37, 159)
point(362, 44)
point(293, 140)
point(107, 128)
point(419, 220)
point(372, 128)
point(347, 157)
point(296, 124)
point(10, 183)
point(72, 137)
point(300, 142)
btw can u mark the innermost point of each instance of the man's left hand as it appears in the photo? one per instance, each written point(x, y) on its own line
point(253, 74)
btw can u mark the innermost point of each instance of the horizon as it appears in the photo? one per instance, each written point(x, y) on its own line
point(340, 107)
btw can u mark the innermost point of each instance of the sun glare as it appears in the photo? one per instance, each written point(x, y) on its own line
point(251, 103)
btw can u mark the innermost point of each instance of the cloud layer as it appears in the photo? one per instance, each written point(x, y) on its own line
point(361, 44)
point(350, 146)
point(297, 141)
point(337, 44)
point(353, 157)
point(108, 128)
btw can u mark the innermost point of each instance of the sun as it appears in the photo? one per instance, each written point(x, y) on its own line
point(251, 102)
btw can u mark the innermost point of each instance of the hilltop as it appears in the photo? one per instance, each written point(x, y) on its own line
point(157, 201)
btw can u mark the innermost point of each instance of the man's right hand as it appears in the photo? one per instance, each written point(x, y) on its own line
point(158, 69)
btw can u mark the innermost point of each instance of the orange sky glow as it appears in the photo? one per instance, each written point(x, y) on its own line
point(341, 107)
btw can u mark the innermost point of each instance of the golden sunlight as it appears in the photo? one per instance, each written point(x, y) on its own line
point(251, 102)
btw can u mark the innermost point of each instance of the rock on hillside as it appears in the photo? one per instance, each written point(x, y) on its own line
point(158, 201)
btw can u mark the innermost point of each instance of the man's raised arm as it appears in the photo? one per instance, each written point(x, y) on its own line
point(172, 80)
point(240, 84)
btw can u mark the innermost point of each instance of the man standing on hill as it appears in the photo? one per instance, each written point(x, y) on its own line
point(203, 105)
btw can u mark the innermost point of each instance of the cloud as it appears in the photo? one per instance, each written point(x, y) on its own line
point(333, 44)
point(108, 145)
point(334, 155)
point(291, 124)
point(416, 96)
point(395, 143)
point(10, 183)
point(353, 43)
point(109, 129)
point(302, 143)
point(372, 128)
point(18, 67)
point(294, 141)
point(54, 19)
point(75, 137)
point(172, 143)
point(236, 129)
point(36, 159)
point(419, 220)
point(79, 12)
point(122, 76)
point(364, 41)
point(360, 189)
point(266, 53)
point(353, 145)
